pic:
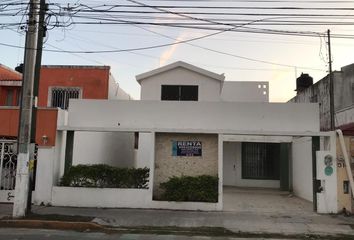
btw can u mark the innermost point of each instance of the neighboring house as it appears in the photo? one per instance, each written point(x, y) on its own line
point(191, 122)
point(10, 86)
point(58, 86)
point(343, 82)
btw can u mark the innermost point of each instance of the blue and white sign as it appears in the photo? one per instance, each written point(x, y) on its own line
point(187, 148)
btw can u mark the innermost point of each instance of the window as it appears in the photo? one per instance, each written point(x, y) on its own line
point(60, 96)
point(260, 161)
point(179, 93)
point(9, 97)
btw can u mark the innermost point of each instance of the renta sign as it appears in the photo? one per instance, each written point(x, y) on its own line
point(187, 148)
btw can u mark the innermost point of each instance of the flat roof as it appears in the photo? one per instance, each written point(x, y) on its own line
point(76, 66)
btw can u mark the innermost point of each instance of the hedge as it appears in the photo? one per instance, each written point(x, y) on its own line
point(202, 188)
point(105, 176)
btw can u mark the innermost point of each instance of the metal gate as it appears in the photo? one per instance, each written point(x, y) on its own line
point(8, 163)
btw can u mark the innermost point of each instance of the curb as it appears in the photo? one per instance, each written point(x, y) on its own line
point(207, 231)
point(45, 224)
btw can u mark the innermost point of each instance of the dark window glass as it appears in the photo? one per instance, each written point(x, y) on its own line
point(179, 93)
point(189, 93)
point(260, 160)
point(170, 92)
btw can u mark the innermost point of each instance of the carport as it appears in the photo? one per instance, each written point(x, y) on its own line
point(275, 173)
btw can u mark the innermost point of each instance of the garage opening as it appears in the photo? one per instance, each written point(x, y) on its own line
point(267, 175)
point(256, 164)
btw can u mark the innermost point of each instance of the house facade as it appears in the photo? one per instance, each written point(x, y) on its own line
point(58, 85)
point(343, 82)
point(189, 123)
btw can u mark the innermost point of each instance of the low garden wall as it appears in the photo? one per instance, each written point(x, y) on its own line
point(120, 198)
point(101, 197)
point(104, 186)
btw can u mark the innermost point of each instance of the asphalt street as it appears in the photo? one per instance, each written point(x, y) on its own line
point(39, 234)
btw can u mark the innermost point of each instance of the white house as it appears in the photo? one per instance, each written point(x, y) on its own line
point(190, 122)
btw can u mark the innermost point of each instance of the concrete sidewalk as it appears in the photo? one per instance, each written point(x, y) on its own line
point(244, 222)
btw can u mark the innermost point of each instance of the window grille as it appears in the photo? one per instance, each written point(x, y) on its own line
point(60, 96)
point(260, 160)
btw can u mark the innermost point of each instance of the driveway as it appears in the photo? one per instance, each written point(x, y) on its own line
point(267, 201)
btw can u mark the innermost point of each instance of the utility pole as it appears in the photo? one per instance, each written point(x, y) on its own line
point(22, 172)
point(41, 34)
point(331, 84)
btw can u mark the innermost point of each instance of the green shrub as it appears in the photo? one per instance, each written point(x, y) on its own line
point(104, 176)
point(202, 188)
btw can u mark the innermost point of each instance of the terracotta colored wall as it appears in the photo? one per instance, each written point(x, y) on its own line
point(15, 97)
point(93, 81)
point(9, 121)
point(46, 124)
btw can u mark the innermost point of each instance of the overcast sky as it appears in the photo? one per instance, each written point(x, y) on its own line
point(227, 52)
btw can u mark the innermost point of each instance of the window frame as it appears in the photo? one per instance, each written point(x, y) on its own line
point(275, 151)
point(50, 93)
point(180, 97)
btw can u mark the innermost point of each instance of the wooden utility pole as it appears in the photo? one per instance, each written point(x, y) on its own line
point(22, 172)
point(331, 84)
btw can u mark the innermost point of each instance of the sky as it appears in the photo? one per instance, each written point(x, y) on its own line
point(279, 58)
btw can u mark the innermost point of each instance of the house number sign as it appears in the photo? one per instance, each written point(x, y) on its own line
point(187, 148)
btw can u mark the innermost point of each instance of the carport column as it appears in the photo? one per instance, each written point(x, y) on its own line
point(152, 164)
point(219, 205)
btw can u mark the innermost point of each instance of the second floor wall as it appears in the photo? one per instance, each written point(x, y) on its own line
point(181, 81)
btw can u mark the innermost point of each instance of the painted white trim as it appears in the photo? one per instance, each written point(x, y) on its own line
point(252, 138)
point(11, 83)
point(171, 130)
point(174, 65)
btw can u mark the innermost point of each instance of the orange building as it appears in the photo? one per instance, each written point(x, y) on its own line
point(57, 85)
point(10, 86)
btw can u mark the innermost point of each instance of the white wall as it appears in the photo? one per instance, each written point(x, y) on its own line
point(327, 200)
point(202, 117)
point(209, 88)
point(233, 169)
point(245, 91)
point(302, 168)
point(115, 91)
point(120, 198)
point(145, 149)
point(112, 148)
point(44, 176)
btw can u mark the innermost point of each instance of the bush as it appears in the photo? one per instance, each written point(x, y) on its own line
point(202, 188)
point(104, 176)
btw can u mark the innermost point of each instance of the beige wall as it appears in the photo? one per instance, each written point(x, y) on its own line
point(167, 166)
point(344, 200)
